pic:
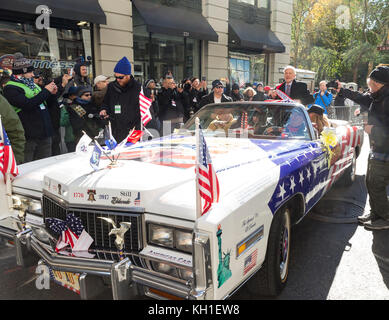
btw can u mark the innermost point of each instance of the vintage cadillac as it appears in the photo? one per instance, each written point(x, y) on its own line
point(140, 211)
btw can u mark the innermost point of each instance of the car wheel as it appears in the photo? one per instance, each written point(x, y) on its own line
point(349, 174)
point(271, 279)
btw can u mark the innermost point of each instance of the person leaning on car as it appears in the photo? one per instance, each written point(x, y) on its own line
point(376, 102)
point(295, 90)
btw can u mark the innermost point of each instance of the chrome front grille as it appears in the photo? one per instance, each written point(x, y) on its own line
point(98, 229)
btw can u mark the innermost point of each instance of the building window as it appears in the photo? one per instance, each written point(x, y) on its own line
point(52, 51)
point(248, 69)
point(257, 3)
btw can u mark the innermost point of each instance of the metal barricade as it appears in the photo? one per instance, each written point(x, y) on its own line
point(346, 113)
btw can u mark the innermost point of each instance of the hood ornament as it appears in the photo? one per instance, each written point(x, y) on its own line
point(119, 232)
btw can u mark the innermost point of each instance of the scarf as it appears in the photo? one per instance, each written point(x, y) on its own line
point(28, 82)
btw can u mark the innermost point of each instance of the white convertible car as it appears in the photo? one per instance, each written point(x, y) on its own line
point(272, 169)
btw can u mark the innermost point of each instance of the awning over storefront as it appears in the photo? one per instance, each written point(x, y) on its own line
point(78, 10)
point(255, 37)
point(175, 21)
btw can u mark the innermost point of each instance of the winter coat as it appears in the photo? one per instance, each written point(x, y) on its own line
point(208, 99)
point(126, 115)
point(377, 105)
point(170, 104)
point(323, 100)
point(14, 129)
point(298, 90)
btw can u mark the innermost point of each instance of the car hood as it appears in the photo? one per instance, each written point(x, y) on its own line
point(159, 176)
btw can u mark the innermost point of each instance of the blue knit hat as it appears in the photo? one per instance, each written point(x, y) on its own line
point(123, 66)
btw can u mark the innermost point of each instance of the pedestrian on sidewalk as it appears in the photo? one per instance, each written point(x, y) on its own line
point(376, 102)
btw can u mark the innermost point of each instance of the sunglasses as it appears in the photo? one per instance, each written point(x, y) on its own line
point(219, 87)
point(119, 77)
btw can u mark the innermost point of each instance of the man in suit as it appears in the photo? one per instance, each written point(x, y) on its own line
point(295, 90)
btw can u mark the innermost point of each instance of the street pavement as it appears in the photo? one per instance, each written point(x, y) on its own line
point(332, 258)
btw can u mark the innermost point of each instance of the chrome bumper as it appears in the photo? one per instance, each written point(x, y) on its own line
point(126, 279)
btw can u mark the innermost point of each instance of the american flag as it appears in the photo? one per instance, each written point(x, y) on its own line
point(70, 232)
point(250, 262)
point(144, 105)
point(241, 83)
point(244, 121)
point(7, 158)
point(208, 183)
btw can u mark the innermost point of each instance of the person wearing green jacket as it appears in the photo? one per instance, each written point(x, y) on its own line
point(14, 128)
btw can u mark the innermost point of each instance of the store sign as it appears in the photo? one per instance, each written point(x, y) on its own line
point(6, 62)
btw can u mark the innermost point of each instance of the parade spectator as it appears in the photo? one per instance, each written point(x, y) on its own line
point(67, 102)
point(295, 90)
point(83, 115)
point(323, 97)
point(14, 129)
point(121, 102)
point(216, 96)
point(186, 100)
point(80, 76)
point(266, 90)
point(198, 91)
point(170, 102)
point(260, 96)
point(100, 89)
point(4, 78)
point(249, 94)
point(29, 101)
point(234, 92)
point(376, 103)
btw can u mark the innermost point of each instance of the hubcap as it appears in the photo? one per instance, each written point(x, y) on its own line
point(285, 246)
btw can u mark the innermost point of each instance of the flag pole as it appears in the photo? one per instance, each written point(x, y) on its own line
point(7, 175)
point(198, 199)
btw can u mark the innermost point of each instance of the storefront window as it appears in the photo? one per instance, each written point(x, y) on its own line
point(257, 3)
point(247, 69)
point(52, 51)
point(167, 54)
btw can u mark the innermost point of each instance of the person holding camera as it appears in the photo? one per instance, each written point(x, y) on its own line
point(323, 97)
point(170, 103)
point(376, 103)
point(150, 91)
point(30, 103)
point(79, 76)
point(197, 92)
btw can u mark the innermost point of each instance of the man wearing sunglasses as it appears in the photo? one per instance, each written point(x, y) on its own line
point(216, 96)
point(121, 102)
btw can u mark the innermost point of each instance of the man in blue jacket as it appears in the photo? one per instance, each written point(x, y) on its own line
point(323, 98)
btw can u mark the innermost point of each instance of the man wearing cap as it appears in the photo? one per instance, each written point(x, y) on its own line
point(121, 102)
point(216, 96)
point(100, 89)
point(29, 102)
point(260, 96)
point(80, 77)
point(376, 103)
point(292, 88)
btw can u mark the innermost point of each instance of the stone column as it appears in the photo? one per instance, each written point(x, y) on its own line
point(215, 54)
point(281, 25)
point(114, 40)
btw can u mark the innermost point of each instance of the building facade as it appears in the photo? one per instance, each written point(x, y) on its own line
point(243, 40)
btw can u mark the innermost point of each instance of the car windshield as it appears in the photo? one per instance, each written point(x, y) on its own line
point(255, 121)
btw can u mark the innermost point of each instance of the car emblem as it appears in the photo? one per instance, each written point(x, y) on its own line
point(92, 194)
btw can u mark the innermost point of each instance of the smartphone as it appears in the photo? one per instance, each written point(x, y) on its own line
point(71, 72)
point(203, 78)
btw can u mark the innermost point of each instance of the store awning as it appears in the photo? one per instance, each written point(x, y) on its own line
point(175, 21)
point(255, 37)
point(78, 10)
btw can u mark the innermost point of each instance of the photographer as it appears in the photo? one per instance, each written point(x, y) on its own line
point(150, 91)
point(197, 92)
point(170, 103)
point(323, 98)
point(376, 103)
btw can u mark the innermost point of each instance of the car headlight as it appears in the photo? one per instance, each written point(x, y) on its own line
point(22, 203)
point(170, 237)
point(161, 235)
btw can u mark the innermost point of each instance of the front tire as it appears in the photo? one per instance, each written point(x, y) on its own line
point(349, 175)
point(271, 279)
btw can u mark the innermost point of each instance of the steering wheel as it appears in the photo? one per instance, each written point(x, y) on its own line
point(273, 131)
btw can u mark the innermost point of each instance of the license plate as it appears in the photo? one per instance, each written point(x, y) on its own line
point(68, 280)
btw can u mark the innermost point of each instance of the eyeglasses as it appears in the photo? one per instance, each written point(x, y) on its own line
point(119, 77)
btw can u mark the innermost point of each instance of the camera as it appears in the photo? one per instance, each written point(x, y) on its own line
point(332, 84)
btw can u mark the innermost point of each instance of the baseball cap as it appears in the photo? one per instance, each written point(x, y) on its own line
point(100, 78)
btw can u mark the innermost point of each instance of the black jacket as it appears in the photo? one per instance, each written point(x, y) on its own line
point(128, 115)
point(235, 97)
point(209, 98)
point(377, 105)
point(36, 122)
point(195, 97)
point(170, 104)
point(299, 90)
